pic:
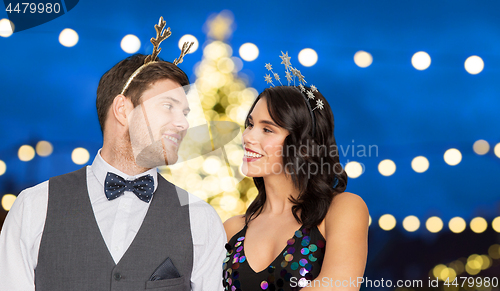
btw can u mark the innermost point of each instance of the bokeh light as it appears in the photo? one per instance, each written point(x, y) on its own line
point(434, 224)
point(189, 38)
point(80, 156)
point(486, 262)
point(436, 271)
point(211, 165)
point(474, 264)
point(26, 153)
point(387, 222)
point(130, 44)
point(68, 37)
point(249, 51)
point(228, 202)
point(252, 193)
point(474, 65)
point(497, 150)
point(353, 169)
point(44, 148)
point(494, 251)
point(478, 225)
point(5, 27)
point(3, 167)
point(421, 61)
point(452, 157)
point(225, 65)
point(363, 59)
point(411, 223)
point(458, 266)
point(387, 167)
point(308, 57)
point(7, 201)
point(420, 164)
point(481, 147)
point(238, 64)
point(495, 224)
point(447, 274)
point(457, 224)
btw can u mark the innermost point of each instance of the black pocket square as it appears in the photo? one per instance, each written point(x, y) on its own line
point(166, 270)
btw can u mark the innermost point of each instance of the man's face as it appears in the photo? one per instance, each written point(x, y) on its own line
point(158, 124)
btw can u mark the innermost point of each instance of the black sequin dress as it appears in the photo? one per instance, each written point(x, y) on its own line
point(299, 261)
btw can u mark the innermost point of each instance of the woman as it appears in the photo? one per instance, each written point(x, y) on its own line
point(302, 230)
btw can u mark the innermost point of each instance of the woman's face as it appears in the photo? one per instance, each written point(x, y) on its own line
point(263, 142)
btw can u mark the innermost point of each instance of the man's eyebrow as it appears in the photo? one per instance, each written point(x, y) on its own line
point(171, 98)
point(175, 101)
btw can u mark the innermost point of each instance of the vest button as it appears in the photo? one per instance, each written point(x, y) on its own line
point(117, 276)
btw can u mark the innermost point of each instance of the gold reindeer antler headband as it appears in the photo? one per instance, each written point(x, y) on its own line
point(161, 35)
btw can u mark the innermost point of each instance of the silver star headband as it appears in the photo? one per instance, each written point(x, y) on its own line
point(291, 73)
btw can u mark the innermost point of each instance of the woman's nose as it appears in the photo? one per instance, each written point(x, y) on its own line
point(248, 136)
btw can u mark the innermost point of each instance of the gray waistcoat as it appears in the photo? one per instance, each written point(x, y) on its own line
point(74, 256)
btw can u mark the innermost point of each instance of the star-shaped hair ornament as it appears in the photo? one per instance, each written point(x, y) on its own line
point(319, 104)
point(277, 77)
point(288, 77)
point(269, 67)
point(285, 60)
point(290, 74)
point(269, 79)
point(310, 94)
point(300, 76)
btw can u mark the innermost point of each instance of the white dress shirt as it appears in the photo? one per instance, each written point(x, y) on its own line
point(119, 221)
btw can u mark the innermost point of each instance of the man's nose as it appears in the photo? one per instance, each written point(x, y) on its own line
point(181, 122)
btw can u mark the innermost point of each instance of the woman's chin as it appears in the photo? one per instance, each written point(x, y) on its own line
point(250, 171)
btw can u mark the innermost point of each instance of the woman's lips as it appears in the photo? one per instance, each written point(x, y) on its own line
point(250, 155)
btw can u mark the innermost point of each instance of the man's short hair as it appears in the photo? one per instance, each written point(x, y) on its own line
point(112, 82)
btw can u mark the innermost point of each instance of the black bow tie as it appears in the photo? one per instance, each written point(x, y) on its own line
point(142, 187)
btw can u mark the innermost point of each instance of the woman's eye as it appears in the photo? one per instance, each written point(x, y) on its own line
point(249, 125)
point(168, 106)
point(267, 130)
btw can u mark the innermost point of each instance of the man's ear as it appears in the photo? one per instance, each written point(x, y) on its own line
point(121, 108)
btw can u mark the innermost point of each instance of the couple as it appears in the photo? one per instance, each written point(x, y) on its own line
point(118, 225)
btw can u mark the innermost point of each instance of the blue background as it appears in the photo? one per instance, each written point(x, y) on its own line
point(48, 90)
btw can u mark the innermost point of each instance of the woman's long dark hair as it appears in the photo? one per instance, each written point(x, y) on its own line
point(312, 162)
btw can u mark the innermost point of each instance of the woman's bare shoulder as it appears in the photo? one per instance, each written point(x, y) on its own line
point(345, 207)
point(233, 225)
point(350, 200)
point(346, 234)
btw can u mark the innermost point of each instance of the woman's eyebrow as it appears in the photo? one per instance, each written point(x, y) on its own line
point(263, 121)
point(268, 122)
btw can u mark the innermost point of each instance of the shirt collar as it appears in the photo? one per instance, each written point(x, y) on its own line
point(100, 168)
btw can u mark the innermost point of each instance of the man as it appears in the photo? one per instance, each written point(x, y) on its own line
point(117, 224)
